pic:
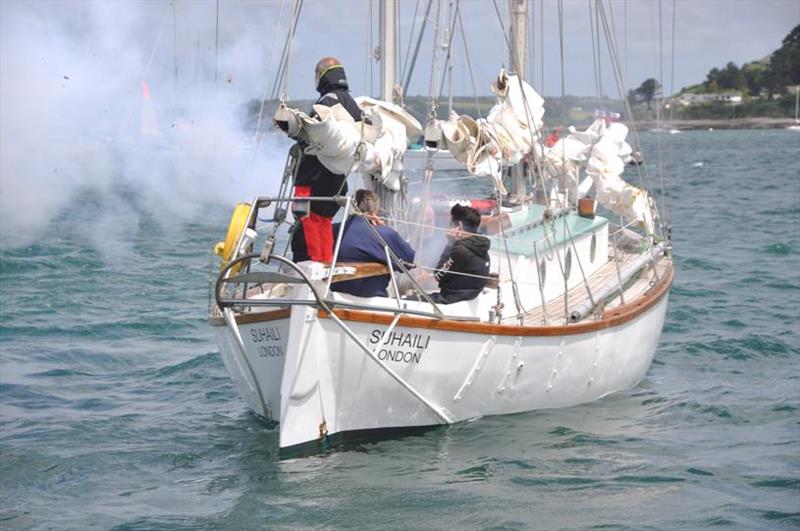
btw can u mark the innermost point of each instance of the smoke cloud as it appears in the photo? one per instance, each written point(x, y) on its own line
point(120, 99)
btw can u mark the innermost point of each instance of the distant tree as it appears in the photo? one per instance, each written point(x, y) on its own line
point(645, 92)
point(785, 62)
point(753, 78)
point(712, 77)
point(730, 77)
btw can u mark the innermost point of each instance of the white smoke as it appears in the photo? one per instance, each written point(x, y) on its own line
point(74, 116)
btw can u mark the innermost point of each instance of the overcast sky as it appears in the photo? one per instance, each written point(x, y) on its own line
point(155, 38)
point(73, 106)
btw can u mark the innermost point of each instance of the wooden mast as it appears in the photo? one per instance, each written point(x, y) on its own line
point(518, 40)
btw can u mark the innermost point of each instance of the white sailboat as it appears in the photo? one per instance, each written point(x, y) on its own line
point(572, 311)
point(796, 125)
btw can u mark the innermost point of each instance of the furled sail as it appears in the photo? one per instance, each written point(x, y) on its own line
point(509, 132)
point(605, 152)
point(374, 146)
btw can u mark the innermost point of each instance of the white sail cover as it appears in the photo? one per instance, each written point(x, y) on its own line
point(374, 146)
point(385, 140)
point(508, 134)
point(605, 152)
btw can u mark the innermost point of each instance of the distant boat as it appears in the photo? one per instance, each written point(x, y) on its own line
point(796, 126)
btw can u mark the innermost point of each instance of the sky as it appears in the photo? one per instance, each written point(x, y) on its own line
point(73, 106)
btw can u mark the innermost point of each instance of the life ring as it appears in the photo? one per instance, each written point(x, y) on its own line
point(226, 249)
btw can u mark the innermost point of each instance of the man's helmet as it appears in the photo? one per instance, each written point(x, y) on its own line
point(324, 65)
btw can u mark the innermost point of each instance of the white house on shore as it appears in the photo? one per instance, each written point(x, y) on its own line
point(732, 97)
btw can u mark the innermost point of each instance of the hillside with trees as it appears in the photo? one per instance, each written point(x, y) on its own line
point(767, 77)
point(763, 88)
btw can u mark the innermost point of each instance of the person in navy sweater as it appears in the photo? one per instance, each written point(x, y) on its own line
point(361, 244)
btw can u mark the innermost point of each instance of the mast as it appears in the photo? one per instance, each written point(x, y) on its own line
point(518, 37)
point(388, 16)
point(518, 40)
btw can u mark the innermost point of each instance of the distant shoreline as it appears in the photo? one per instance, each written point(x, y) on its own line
point(732, 123)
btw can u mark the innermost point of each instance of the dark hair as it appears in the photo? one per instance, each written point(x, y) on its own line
point(468, 216)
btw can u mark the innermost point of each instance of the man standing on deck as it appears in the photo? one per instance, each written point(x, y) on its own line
point(315, 240)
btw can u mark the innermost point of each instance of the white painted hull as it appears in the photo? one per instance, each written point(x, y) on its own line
point(316, 381)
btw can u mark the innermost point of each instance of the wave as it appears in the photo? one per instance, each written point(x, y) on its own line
point(751, 346)
point(778, 249)
point(208, 360)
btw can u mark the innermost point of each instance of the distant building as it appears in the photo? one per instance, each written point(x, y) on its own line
point(732, 97)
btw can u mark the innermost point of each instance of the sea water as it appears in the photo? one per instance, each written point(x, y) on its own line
point(116, 411)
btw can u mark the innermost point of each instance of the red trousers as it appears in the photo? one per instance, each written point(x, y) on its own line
point(318, 231)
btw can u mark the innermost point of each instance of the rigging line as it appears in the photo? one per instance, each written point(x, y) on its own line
point(523, 241)
point(296, 6)
point(270, 65)
point(541, 42)
point(618, 76)
point(434, 66)
point(469, 64)
point(417, 47)
point(599, 59)
point(216, 47)
point(410, 40)
point(504, 239)
point(174, 54)
point(367, 49)
point(531, 127)
point(660, 105)
point(672, 62)
point(371, 57)
point(611, 16)
point(665, 191)
point(149, 63)
point(561, 205)
point(641, 170)
point(449, 50)
point(276, 83)
point(625, 5)
point(529, 119)
point(283, 66)
point(529, 25)
point(563, 85)
point(595, 54)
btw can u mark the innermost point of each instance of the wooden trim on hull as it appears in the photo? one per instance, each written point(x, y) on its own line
point(613, 317)
point(257, 317)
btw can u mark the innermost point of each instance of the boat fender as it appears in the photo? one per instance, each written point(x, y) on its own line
point(226, 249)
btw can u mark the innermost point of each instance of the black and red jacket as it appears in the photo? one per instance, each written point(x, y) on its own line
point(312, 177)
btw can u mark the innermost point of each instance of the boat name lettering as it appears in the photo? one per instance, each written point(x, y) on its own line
point(408, 347)
point(270, 351)
point(400, 356)
point(265, 334)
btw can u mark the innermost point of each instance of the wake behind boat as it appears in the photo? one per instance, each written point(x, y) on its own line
point(571, 308)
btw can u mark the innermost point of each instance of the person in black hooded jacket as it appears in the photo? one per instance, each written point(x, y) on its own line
point(463, 268)
point(315, 241)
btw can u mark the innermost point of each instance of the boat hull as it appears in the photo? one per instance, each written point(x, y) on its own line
point(320, 384)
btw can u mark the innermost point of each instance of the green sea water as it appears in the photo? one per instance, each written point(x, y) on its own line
point(116, 411)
